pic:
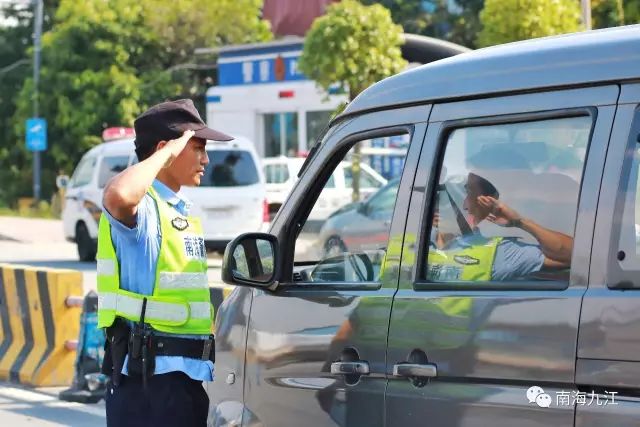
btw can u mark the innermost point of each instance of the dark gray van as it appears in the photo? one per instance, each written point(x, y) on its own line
point(502, 288)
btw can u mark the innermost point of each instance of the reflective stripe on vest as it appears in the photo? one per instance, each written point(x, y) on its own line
point(180, 302)
point(474, 263)
point(169, 313)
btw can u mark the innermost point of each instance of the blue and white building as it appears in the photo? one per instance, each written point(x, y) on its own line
point(263, 96)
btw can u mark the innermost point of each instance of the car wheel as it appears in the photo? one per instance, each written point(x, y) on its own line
point(86, 246)
point(334, 246)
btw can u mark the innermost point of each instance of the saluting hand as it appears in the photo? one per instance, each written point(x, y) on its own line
point(175, 146)
point(501, 214)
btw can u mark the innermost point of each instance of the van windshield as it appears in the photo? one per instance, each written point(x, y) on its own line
point(230, 168)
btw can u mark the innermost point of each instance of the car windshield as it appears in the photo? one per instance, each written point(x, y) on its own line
point(230, 168)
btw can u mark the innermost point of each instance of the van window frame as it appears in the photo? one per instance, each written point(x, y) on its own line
point(448, 127)
point(617, 277)
point(333, 162)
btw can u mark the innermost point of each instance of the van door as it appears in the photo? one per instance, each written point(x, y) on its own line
point(484, 326)
point(608, 365)
point(315, 352)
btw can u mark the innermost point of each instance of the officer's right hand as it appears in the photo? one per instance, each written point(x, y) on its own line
point(175, 146)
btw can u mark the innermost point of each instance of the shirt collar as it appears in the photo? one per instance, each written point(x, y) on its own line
point(177, 200)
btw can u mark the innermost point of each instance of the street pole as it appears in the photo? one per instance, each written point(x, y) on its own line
point(37, 33)
point(586, 13)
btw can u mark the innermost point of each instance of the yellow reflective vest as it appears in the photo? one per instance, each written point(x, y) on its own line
point(180, 303)
point(472, 264)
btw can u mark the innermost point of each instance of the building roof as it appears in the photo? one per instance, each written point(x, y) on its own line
point(568, 60)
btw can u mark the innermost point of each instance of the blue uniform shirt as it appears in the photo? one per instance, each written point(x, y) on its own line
point(137, 250)
point(514, 259)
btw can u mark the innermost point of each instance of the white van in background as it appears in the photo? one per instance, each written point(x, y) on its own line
point(230, 201)
point(231, 198)
point(83, 199)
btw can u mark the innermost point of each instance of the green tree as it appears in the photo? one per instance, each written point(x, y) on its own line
point(632, 12)
point(103, 62)
point(506, 21)
point(607, 13)
point(93, 61)
point(15, 67)
point(466, 24)
point(456, 22)
point(185, 25)
point(353, 46)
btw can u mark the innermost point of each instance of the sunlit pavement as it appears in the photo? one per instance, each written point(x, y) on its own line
point(41, 407)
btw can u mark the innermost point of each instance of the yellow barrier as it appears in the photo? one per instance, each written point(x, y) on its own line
point(35, 322)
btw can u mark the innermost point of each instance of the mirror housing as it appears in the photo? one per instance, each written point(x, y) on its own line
point(251, 259)
point(363, 208)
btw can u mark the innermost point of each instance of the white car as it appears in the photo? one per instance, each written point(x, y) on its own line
point(231, 199)
point(281, 173)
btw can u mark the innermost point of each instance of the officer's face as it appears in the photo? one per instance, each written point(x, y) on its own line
point(188, 168)
point(477, 213)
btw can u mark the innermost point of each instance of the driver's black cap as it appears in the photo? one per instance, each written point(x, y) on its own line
point(169, 120)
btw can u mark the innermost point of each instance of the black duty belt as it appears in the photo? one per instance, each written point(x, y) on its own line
point(203, 349)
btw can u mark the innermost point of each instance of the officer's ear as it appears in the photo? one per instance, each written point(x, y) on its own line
point(159, 145)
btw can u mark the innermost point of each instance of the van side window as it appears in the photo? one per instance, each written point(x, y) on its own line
point(345, 236)
point(629, 240)
point(84, 172)
point(110, 167)
point(506, 202)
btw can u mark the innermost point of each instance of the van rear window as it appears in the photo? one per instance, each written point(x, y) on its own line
point(230, 168)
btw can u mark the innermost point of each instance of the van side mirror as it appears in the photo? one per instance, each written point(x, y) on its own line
point(251, 260)
point(363, 208)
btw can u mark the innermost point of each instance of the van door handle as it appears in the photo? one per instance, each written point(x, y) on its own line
point(359, 367)
point(414, 370)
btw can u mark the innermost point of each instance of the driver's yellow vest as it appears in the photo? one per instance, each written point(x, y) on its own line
point(473, 263)
point(180, 303)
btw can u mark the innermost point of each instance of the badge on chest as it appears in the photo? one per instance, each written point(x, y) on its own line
point(180, 223)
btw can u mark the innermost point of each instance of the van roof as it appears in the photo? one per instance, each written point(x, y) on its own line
point(609, 55)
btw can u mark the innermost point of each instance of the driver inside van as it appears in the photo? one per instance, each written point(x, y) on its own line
point(474, 257)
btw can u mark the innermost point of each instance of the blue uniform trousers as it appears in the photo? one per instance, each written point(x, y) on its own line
point(172, 399)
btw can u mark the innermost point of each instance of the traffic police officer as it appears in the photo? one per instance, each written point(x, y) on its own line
point(152, 276)
point(474, 257)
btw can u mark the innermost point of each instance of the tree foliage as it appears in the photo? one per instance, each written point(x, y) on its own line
point(353, 46)
point(103, 62)
point(15, 65)
point(456, 22)
point(506, 21)
point(185, 25)
point(607, 13)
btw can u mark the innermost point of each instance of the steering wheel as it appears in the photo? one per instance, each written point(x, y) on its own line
point(367, 264)
point(334, 268)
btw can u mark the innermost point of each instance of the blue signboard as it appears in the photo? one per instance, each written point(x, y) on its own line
point(259, 65)
point(36, 134)
point(256, 71)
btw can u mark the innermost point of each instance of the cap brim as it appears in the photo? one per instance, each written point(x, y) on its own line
point(207, 133)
